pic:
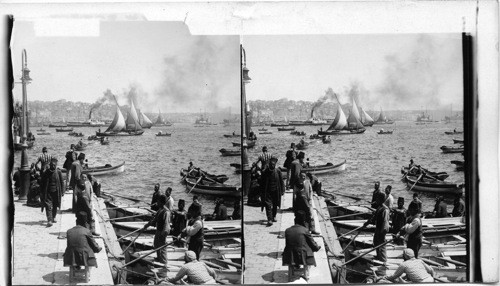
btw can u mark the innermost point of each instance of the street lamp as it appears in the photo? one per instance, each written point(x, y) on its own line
point(25, 169)
point(245, 168)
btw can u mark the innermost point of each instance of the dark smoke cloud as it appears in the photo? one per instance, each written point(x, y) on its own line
point(422, 76)
point(329, 95)
point(201, 78)
point(106, 98)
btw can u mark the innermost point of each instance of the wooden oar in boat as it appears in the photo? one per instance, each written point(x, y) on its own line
point(347, 196)
point(187, 174)
point(366, 252)
point(347, 215)
point(406, 173)
point(352, 239)
point(125, 217)
point(124, 197)
point(458, 263)
point(418, 179)
point(130, 233)
point(149, 253)
point(132, 242)
point(352, 205)
point(349, 232)
point(199, 180)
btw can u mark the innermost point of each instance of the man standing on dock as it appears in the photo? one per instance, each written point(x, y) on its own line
point(44, 160)
point(194, 230)
point(52, 188)
point(375, 192)
point(291, 155)
point(296, 168)
point(154, 200)
point(264, 159)
point(162, 223)
point(389, 199)
point(381, 221)
point(76, 173)
point(272, 190)
point(458, 206)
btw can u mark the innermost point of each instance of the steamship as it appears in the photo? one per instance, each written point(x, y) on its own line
point(88, 123)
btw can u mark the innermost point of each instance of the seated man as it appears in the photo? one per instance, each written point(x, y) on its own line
point(197, 272)
point(220, 212)
point(81, 247)
point(415, 269)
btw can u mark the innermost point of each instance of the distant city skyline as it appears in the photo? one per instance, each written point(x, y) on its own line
point(384, 71)
point(158, 64)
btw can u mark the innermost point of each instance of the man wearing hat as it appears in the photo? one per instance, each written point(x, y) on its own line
point(44, 159)
point(389, 199)
point(381, 221)
point(375, 192)
point(290, 156)
point(272, 190)
point(154, 200)
point(83, 191)
point(416, 202)
point(81, 246)
point(197, 272)
point(162, 223)
point(440, 208)
point(52, 187)
point(413, 230)
point(194, 230)
point(415, 269)
point(71, 156)
point(264, 158)
point(295, 170)
point(399, 218)
point(76, 174)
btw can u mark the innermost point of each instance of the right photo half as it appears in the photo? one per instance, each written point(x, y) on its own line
point(353, 170)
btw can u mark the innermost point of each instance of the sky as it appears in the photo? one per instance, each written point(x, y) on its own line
point(160, 62)
point(388, 71)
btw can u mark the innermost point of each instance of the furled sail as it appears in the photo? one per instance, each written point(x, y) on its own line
point(132, 119)
point(118, 123)
point(145, 121)
point(354, 119)
point(365, 118)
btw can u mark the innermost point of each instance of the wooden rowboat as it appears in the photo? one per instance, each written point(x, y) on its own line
point(433, 186)
point(195, 174)
point(207, 187)
point(430, 226)
point(418, 171)
point(64, 129)
point(448, 149)
point(348, 211)
point(266, 132)
point(231, 135)
point(227, 152)
point(459, 165)
point(212, 229)
point(220, 245)
point(453, 132)
point(103, 170)
point(385, 132)
point(286, 128)
point(458, 141)
point(43, 133)
point(321, 169)
point(443, 241)
point(132, 213)
point(163, 134)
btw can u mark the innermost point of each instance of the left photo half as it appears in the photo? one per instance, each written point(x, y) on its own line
point(126, 140)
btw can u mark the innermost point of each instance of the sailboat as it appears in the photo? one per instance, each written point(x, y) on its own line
point(382, 119)
point(144, 121)
point(341, 123)
point(160, 121)
point(120, 127)
point(365, 118)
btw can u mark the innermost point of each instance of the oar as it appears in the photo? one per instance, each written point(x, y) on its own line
point(347, 215)
point(440, 280)
point(130, 233)
point(195, 184)
point(187, 174)
point(352, 239)
point(349, 205)
point(430, 262)
point(347, 196)
point(132, 242)
point(229, 263)
point(349, 232)
point(124, 217)
point(406, 173)
point(366, 252)
point(129, 207)
point(124, 197)
point(418, 179)
point(149, 253)
point(451, 261)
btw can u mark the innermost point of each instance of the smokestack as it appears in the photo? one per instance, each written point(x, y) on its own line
point(90, 114)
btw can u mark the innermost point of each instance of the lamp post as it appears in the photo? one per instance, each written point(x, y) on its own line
point(245, 168)
point(25, 169)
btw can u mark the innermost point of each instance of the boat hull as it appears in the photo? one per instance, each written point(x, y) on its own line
point(218, 178)
point(286, 128)
point(124, 133)
point(208, 188)
point(323, 169)
point(103, 170)
point(433, 187)
point(225, 152)
point(447, 149)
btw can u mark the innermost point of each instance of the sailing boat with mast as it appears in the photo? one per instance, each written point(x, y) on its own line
point(160, 121)
point(144, 121)
point(382, 119)
point(343, 125)
point(120, 127)
point(365, 118)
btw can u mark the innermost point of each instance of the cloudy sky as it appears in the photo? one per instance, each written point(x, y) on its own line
point(390, 71)
point(167, 67)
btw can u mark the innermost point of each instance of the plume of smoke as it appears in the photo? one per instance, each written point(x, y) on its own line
point(422, 76)
point(107, 97)
point(329, 95)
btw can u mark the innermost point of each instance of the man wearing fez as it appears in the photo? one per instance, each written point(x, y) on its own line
point(194, 230)
point(76, 174)
point(162, 223)
point(381, 221)
point(376, 190)
point(295, 169)
point(52, 189)
point(154, 200)
point(272, 190)
point(81, 246)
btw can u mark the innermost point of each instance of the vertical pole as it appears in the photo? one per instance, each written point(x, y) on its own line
point(25, 169)
point(244, 117)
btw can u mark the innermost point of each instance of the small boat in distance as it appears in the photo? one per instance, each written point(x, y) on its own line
point(227, 152)
point(448, 149)
point(64, 129)
point(453, 132)
point(286, 128)
point(382, 131)
point(458, 141)
point(161, 134)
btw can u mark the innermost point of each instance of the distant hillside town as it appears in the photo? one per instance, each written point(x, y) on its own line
point(47, 112)
point(284, 109)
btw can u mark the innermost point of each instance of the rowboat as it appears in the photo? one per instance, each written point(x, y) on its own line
point(121, 133)
point(429, 185)
point(315, 136)
point(327, 140)
point(227, 152)
point(286, 128)
point(250, 143)
point(103, 170)
point(416, 171)
point(385, 132)
point(448, 149)
point(266, 132)
point(104, 142)
point(196, 173)
point(279, 124)
point(93, 137)
point(212, 229)
point(459, 165)
point(321, 169)
point(458, 141)
point(262, 129)
point(132, 213)
point(229, 245)
point(211, 188)
point(430, 226)
point(445, 241)
point(160, 134)
point(348, 211)
point(62, 129)
point(231, 135)
point(43, 133)
point(301, 146)
point(453, 132)
point(298, 133)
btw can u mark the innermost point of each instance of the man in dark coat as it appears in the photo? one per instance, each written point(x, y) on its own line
point(83, 203)
point(299, 247)
point(381, 221)
point(272, 190)
point(295, 170)
point(162, 223)
point(415, 203)
point(81, 246)
point(398, 218)
point(315, 183)
point(458, 206)
point(440, 208)
point(179, 221)
point(194, 230)
point(375, 192)
point(154, 200)
point(220, 211)
point(291, 155)
point(71, 156)
point(76, 174)
point(52, 188)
